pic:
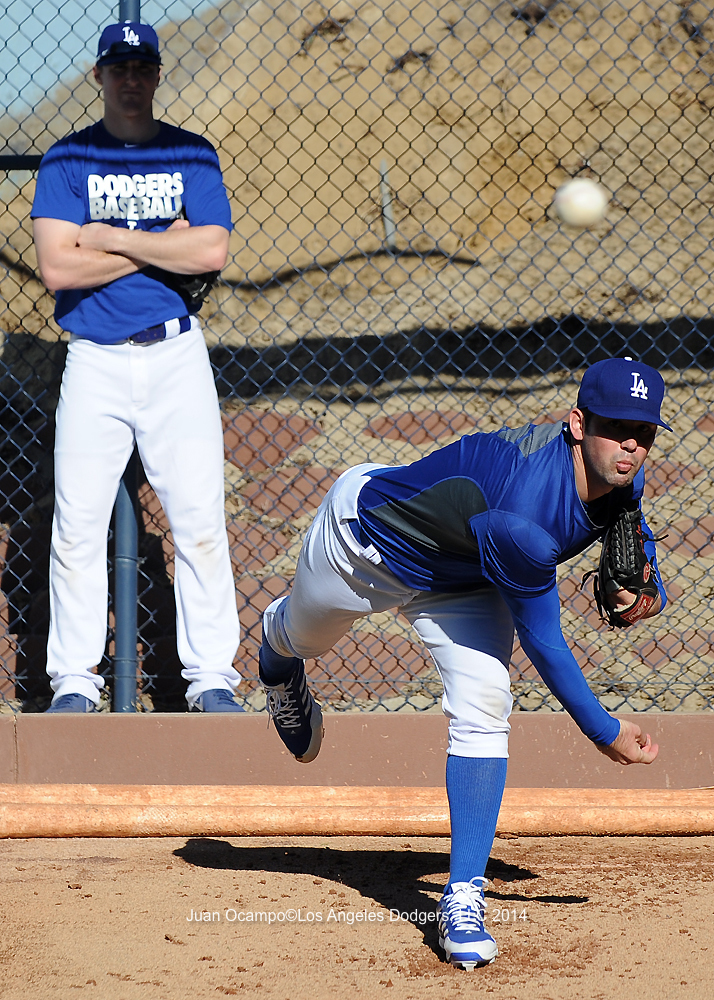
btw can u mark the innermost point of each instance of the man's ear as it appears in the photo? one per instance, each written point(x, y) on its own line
point(97, 75)
point(576, 422)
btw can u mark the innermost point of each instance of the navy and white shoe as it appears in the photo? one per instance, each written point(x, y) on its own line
point(76, 703)
point(462, 934)
point(296, 715)
point(216, 700)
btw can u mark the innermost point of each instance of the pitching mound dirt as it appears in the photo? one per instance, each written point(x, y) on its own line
point(574, 917)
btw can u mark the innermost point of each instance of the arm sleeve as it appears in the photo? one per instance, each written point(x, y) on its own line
point(205, 199)
point(57, 194)
point(537, 620)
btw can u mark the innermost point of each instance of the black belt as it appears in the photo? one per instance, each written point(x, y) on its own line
point(158, 332)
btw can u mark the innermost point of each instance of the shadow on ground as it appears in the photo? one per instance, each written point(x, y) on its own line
point(393, 879)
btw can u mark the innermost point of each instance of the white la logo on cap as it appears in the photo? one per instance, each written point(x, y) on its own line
point(639, 389)
point(130, 36)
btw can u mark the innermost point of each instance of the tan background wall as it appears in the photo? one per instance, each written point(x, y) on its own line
point(360, 749)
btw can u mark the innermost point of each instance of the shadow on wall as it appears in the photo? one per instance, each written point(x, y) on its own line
point(370, 365)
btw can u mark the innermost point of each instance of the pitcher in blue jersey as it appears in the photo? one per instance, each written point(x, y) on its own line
point(465, 543)
point(125, 212)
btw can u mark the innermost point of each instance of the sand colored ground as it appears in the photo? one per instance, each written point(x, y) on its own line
point(476, 114)
point(581, 918)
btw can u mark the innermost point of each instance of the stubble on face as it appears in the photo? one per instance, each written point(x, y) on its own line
point(614, 451)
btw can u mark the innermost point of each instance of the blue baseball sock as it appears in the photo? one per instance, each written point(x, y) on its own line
point(274, 668)
point(475, 789)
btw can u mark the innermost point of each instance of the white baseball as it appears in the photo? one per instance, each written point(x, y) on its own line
point(581, 202)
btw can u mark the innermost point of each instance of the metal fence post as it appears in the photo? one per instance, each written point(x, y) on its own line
point(126, 546)
point(129, 10)
point(126, 560)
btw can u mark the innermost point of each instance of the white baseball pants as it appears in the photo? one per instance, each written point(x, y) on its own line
point(163, 397)
point(469, 635)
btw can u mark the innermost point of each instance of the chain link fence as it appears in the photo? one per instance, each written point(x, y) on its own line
point(397, 278)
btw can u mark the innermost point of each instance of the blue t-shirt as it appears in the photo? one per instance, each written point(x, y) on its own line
point(90, 176)
point(500, 509)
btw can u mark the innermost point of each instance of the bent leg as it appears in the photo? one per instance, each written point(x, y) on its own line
point(337, 581)
point(470, 637)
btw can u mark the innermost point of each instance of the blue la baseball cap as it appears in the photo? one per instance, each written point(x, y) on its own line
point(131, 40)
point(623, 389)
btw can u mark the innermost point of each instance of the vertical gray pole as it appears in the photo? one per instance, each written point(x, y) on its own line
point(126, 545)
point(129, 10)
point(126, 561)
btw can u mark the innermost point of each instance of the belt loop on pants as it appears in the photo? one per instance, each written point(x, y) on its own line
point(162, 331)
point(358, 533)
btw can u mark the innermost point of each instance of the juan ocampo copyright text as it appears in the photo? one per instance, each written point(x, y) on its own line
point(300, 916)
point(292, 915)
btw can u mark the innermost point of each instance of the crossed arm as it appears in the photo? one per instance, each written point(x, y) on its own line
point(71, 256)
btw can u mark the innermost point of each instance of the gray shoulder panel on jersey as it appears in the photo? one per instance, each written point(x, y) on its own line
point(438, 517)
point(531, 437)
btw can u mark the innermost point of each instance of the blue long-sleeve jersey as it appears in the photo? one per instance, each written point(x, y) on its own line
point(500, 508)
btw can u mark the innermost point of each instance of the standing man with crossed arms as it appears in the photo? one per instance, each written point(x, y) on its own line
point(128, 215)
point(465, 544)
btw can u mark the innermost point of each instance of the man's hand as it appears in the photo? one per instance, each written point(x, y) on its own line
point(97, 236)
point(625, 598)
point(621, 599)
point(65, 264)
point(181, 248)
point(631, 746)
point(110, 239)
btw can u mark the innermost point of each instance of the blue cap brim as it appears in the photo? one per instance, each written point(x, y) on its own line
point(129, 57)
point(619, 413)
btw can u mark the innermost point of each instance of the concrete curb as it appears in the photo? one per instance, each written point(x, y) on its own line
point(275, 810)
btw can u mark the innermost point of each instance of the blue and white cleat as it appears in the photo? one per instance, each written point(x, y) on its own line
point(216, 700)
point(462, 935)
point(296, 715)
point(76, 703)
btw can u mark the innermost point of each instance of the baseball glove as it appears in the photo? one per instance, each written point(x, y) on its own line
point(624, 566)
point(193, 288)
